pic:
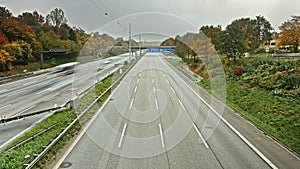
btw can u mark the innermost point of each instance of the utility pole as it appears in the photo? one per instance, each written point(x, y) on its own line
point(140, 44)
point(129, 40)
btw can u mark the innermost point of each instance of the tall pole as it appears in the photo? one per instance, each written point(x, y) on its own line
point(42, 60)
point(140, 44)
point(129, 40)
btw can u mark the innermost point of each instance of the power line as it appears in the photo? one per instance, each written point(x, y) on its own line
point(102, 9)
point(105, 11)
point(103, 4)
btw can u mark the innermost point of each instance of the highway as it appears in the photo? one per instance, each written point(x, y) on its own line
point(47, 91)
point(51, 90)
point(154, 119)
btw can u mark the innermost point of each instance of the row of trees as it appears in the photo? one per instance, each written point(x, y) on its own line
point(242, 35)
point(23, 37)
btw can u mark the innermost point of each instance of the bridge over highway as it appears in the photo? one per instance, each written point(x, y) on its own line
point(148, 48)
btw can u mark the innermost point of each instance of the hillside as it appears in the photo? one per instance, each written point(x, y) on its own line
point(267, 92)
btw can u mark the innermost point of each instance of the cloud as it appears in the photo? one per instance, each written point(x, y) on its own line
point(200, 12)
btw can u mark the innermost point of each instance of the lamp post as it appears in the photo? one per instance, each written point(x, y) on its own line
point(129, 40)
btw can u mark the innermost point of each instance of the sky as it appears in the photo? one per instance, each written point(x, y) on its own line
point(165, 17)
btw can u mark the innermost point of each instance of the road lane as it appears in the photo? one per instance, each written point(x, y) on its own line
point(46, 91)
point(50, 90)
point(153, 120)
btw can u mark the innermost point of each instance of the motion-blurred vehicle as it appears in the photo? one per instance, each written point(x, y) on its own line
point(65, 69)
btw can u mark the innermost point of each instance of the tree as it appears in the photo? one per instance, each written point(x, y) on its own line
point(32, 19)
point(181, 50)
point(213, 33)
point(15, 30)
point(63, 31)
point(263, 29)
point(5, 60)
point(20, 51)
point(72, 35)
point(248, 27)
point(203, 47)
point(290, 33)
point(233, 42)
point(3, 39)
point(256, 31)
point(81, 36)
point(168, 42)
point(56, 18)
point(4, 13)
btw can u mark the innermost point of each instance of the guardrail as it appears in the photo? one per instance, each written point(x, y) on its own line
point(5, 79)
point(64, 131)
point(286, 55)
point(5, 120)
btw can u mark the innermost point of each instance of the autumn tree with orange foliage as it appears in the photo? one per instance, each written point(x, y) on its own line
point(290, 33)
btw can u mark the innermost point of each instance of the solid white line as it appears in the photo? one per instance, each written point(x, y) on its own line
point(231, 127)
point(173, 90)
point(203, 140)
point(131, 103)
point(28, 83)
point(23, 132)
point(3, 90)
point(122, 135)
point(168, 81)
point(16, 93)
point(84, 130)
point(181, 104)
point(161, 136)
point(49, 98)
point(43, 91)
point(156, 103)
point(5, 106)
point(135, 89)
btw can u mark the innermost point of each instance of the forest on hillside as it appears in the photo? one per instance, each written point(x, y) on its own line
point(23, 37)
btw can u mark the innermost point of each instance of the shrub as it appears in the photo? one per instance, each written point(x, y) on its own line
point(239, 71)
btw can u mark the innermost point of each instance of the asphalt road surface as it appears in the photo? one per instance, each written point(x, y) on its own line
point(153, 119)
point(48, 91)
point(52, 90)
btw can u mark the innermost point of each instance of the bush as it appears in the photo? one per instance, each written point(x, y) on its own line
point(239, 71)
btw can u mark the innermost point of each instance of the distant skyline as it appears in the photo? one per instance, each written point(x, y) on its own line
point(90, 14)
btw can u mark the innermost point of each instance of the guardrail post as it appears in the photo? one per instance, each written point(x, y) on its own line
point(74, 103)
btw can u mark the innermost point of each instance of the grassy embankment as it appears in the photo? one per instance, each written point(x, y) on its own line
point(267, 92)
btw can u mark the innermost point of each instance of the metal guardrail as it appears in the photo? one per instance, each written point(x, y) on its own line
point(5, 79)
point(60, 135)
point(286, 55)
point(5, 120)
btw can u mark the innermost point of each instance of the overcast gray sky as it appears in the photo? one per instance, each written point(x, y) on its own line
point(90, 14)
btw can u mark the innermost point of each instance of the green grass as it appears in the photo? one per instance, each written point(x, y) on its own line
point(277, 116)
point(15, 158)
point(254, 95)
